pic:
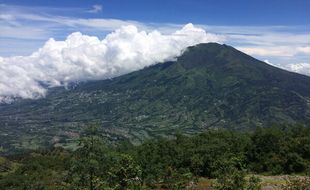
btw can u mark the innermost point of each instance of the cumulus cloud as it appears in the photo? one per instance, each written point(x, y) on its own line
point(81, 58)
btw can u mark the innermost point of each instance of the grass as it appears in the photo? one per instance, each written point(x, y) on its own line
point(7, 166)
point(268, 182)
point(204, 184)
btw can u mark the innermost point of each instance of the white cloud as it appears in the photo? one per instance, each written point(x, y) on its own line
point(29, 23)
point(268, 51)
point(280, 51)
point(22, 32)
point(100, 24)
point(50, 22)
point(95, 9)
point(81, 58)
point(302, 68)
point(305, 50)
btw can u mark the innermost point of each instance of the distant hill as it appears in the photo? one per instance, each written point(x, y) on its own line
point(208, 86)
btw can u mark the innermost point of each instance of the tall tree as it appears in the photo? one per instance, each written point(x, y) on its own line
point(89, 161)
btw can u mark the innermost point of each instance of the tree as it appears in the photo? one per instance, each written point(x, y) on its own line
point(125, 173)
point(89, 162)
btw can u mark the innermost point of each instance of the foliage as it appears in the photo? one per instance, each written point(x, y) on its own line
point(176, 180)
point(125, 173)
point(254, 183)
point(234, 179)
point(279, 150)
point(294, 183)
point(231, 179)
point(164, 163)
point(38, 170)
point(89, 161)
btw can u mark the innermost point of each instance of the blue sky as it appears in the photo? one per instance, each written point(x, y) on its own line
point(211, 12)
point(277, 31)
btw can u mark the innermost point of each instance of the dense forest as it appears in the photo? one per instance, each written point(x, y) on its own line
point(233, 158)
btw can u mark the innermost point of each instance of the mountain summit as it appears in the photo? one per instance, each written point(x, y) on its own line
point(208, 86)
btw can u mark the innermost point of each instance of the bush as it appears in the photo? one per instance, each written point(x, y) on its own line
point(175, 180)
point(297, 183)
point(254, 183)
point(231, 179)
point(234, 179)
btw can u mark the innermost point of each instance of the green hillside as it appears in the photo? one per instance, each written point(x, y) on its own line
point(208, 86)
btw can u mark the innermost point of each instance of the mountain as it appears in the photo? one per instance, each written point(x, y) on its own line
point(208, 86)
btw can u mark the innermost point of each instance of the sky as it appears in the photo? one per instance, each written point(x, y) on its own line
point(71, 40)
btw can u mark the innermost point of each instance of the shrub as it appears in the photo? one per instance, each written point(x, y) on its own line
point(231, 179)
point(297, 183)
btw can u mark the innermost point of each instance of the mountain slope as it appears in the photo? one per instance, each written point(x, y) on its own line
point(209, 86)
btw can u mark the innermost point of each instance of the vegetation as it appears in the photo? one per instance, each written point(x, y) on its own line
point(209, 86)
point(295, 183)
point(230, 157)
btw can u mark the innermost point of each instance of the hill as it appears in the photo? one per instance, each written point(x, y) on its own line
point(208, 86)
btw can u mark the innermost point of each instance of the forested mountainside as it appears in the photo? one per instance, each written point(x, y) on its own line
point(208, 86)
